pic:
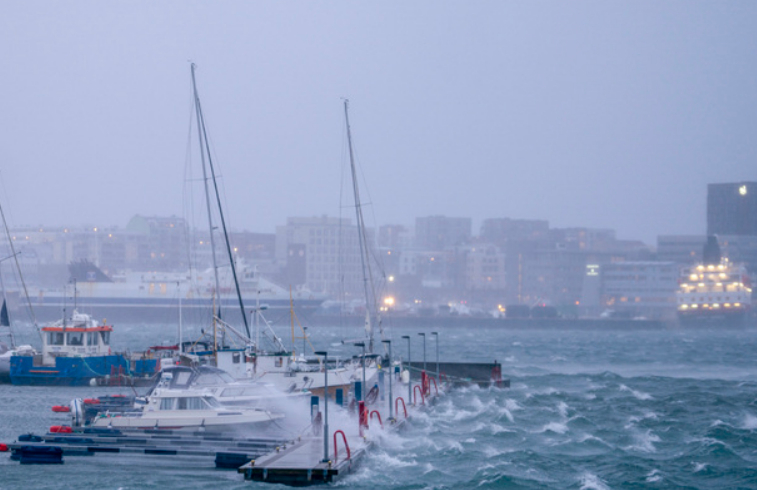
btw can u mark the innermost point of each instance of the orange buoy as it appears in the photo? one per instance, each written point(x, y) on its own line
point(3, 448)
point(61, 408)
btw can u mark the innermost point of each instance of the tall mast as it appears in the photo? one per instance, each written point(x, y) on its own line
point(198, 112)
point(203, 137)
point(370, 299)
point(14, 254)
point(4, 313)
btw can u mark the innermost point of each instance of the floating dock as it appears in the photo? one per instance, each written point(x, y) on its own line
point(305, 460)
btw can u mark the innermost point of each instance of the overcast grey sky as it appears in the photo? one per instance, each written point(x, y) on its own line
point(598, 114)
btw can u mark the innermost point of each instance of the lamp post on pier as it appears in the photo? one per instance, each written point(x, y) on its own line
point(423, 334)
point(438, 372)
point(409, 376)
point(391, 375)
point(325, 404)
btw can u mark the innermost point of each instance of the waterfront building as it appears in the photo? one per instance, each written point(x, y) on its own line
point(328, 250)
point(640, 288)
point(732, 209)
point(440, 232)
point(681, 249)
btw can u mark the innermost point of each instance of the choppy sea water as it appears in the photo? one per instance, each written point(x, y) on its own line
point(586, 410)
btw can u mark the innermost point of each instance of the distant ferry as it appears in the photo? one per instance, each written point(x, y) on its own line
point(715, 292)
point(147, 296)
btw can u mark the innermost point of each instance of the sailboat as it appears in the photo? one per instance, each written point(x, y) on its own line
point(8, 350)
point(276, 364)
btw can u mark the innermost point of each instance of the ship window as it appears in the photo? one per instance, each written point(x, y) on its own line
point(55, 338)
point(233, 392)
point(235, 358)
point(181, 379)
point(106, 337)
point(211, 401)
point(91, 338)
point(167, 403)
point(191, 403)
point(75, 338)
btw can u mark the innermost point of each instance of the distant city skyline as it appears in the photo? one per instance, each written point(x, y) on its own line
point(584, 114)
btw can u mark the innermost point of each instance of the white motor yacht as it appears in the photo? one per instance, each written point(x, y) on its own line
point(185, 408)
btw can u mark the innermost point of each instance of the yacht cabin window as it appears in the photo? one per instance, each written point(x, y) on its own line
point(106, 337)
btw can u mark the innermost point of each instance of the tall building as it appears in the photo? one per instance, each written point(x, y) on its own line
point(640, 288)
point(681, 249)
point(499, 230)
point(732, 209)
point(327, 249)
point(440, 232)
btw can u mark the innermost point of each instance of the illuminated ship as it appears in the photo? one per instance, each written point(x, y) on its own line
point(715, 293)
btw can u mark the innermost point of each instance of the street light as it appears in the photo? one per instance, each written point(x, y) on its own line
point(438, 372)
point(362, 344)
point(325, 404)
point(409, 383)
point(423, 334)
point(391, 375)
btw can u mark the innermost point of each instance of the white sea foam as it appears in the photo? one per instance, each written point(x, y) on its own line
point(589, 437)
point(384, 459)
point(562, 409)
point(512, 405)
point(750, 422)
point(517, 344)
point(639, 395)
point(509, 359)
point(590, 481)
point(645, 442)
point(654, 476)
point(507, 414)
point(698, 466)
point(557, 427)
point(495, 429)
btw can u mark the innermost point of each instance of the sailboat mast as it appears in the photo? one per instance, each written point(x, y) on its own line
point(198, 112)
point(4, 313)
point(204, 137)
point(364, 258)
point(14, 254)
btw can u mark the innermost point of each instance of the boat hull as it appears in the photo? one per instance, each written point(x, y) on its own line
point(715, 319)
point(77, 371)
point(48, 308)
point(211, 420)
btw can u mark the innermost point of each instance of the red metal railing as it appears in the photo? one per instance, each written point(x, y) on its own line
point(415, 398)
point(396, 404)
point(346, 445)
point(379, 417)
point(435, 387)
